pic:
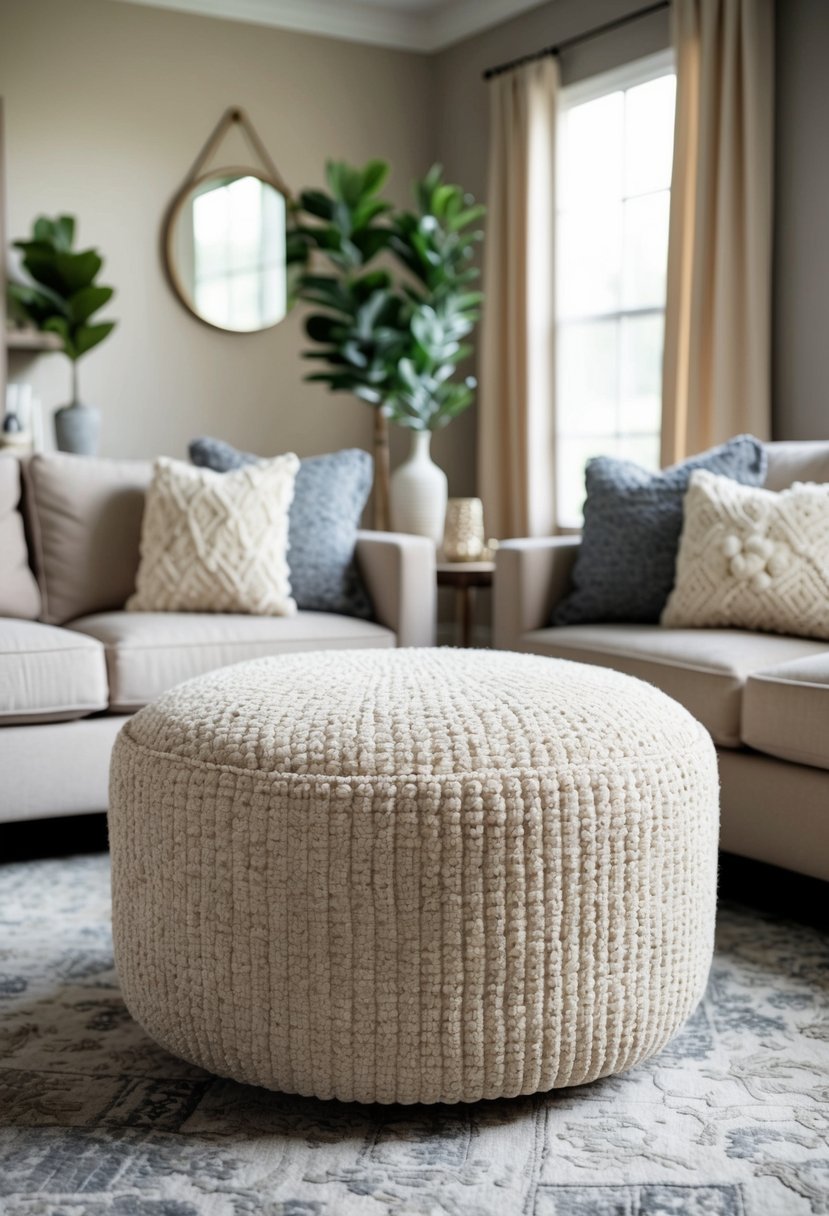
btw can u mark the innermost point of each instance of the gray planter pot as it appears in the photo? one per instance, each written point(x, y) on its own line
point(78, 428)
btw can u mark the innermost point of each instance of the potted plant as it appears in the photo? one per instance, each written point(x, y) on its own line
point(61, 298)
point(393, 333)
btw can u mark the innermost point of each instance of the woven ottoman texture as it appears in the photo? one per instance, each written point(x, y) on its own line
point(413, 876)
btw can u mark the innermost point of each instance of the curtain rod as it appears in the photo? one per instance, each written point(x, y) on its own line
point(567, 43)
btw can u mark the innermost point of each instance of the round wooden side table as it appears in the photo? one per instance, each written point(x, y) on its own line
point(465, 577)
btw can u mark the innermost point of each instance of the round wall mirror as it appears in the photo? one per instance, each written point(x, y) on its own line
point(225, 250)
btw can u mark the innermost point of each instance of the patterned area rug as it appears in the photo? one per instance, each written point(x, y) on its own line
point(730, 1120)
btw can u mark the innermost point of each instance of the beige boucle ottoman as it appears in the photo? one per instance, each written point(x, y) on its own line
point(413, 876)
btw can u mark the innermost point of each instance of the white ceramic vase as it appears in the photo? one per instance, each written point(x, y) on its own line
point(419, 492)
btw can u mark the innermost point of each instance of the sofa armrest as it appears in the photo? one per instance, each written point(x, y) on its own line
point(399, 572)
point(531, 576)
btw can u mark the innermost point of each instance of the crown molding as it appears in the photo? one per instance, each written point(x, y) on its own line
point(450, 23)
point(379, 24)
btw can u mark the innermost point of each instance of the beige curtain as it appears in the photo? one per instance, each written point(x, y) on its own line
point(515, 402)
point(717, 368)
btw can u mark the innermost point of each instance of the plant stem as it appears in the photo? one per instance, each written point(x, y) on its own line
point(381, 472)
point(74, 363)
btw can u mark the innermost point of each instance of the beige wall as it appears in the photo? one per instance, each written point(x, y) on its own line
point(107, 105)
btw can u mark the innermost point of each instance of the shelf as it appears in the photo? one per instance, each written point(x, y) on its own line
point(31, 340)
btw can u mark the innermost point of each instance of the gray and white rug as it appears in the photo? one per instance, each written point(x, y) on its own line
point(732, 1119)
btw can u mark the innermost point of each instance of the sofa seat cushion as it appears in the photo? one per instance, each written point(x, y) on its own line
point(786, 710)
point(704, 669)
point(149, 652)
point(48, 674)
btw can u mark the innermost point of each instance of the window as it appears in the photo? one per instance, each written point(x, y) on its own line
point(613, 194)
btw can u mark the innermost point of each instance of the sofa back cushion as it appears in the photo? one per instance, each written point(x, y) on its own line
point(19, 595)
point(796, 460)
point(85, 521)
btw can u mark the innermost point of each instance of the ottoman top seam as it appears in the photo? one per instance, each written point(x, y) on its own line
point(611, 763)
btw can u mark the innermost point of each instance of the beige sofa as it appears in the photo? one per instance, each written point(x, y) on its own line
point(763, 697)
point(68, 677)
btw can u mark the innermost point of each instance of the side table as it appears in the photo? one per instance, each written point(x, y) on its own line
point(465, 577)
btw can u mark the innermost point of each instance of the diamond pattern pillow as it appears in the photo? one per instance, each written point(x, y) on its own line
point(216, 542)
point(752, 559)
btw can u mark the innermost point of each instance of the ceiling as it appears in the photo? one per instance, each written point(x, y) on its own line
point(414, 25)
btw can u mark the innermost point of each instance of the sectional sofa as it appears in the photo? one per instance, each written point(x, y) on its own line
point(763, 697)
point(73, 663)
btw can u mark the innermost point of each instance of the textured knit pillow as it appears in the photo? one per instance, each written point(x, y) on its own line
point(632, 520)
point(331, 492)
point(213, 542)
point(753, 559)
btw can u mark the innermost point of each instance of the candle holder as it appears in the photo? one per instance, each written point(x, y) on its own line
point(464, 538)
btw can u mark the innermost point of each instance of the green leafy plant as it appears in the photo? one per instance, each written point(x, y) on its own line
point(393, 333)
point(61, 296)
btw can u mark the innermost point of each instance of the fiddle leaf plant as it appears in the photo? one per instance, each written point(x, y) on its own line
point(61, 295)
point(392, 335)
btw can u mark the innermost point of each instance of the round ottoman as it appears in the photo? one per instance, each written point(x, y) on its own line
point(413, 875)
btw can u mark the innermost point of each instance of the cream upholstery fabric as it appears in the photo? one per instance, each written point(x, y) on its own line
point(217, 542)
point(56, 768)
point(794, 460)
point(531, 577)
point(752, 559)
point(85, 521)
point(786, 711)
point(399, 573)
point(705, 670)
point(19, 595)
point(48, 674)
point(775, 812)
point(413, 876)
point(149, 652)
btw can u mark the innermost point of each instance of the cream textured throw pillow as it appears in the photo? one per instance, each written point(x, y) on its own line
point(217, 542)
point(753, 559)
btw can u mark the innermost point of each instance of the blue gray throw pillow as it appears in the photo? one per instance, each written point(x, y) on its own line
point(632, 523)
point(329, 497)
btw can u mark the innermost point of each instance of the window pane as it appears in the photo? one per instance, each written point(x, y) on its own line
point(587, 378)
point(649, 135)
point(645, 259)
point(613, 196)
point(641, 449)
point(640, 405)
point(590, 165)
point(572, 454)
point(589, 261)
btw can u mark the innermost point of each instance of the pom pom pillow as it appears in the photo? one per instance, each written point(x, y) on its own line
point(216, 542)
point(753, 559)
point(331, 492)
point(632, 520)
